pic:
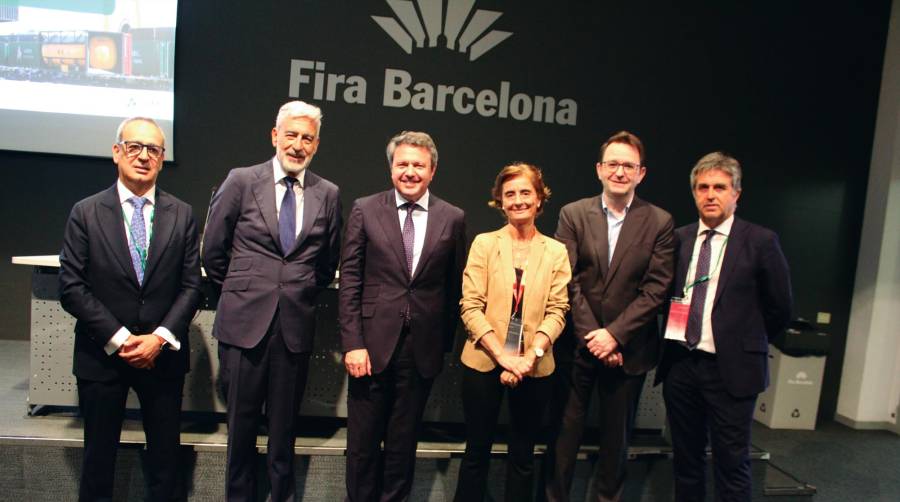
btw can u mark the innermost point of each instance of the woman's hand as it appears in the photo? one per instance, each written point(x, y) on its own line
point(517, 365)
point(508, 379)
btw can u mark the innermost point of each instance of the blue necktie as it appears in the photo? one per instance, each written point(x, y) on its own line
point(287, 217)
point(694, 326)
point(138, 247)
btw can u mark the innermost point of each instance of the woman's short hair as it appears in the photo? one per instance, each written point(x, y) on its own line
point(532, 172)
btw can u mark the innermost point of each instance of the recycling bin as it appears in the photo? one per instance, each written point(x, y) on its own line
point(795, 379)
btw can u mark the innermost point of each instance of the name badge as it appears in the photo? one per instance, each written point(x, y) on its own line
point(514, 342)
point(678, 317)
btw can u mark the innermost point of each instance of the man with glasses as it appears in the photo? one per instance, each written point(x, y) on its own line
point(271, 245)
point(130, 275)
point(620, 248)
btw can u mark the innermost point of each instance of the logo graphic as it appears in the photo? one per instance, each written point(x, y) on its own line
point(801, 378)
point(470, 38)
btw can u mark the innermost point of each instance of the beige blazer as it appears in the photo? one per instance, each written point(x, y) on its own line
point(487, 295)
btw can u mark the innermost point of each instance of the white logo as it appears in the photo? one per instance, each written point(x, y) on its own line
point(801, 378)
point(471, 38)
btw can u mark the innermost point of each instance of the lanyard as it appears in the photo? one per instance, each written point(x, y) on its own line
point(141, 251)
point(706, 277)
point(518, 292)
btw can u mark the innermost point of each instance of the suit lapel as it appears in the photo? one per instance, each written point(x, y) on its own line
point(507, 268)
point(733, 249)
point(264, 193)
point(112, 226)
point(433, 230)
point(390, 225)
point(163, 224)
point(599, 235)
point(312, 205)
point(688, 240)
point(631, 229)
point(535, 261)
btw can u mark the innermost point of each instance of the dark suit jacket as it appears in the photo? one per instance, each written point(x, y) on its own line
point(625, 295)
point(242, 254)
point(99, 287)
point(375, 285)
point(752, 304)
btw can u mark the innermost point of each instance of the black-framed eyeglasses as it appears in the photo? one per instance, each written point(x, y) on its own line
point(134, 149)
point(628, 167)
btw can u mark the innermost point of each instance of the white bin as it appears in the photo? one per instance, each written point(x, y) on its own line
point(792, 399)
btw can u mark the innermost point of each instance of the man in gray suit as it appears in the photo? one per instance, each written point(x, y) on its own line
point(271, 244)
point(621, 251)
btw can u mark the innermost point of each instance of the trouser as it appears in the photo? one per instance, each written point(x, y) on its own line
point(618, 393)
point(102, 406)
point(699, 407)
point(482, 394)
point(385, 407)
point(266, 374)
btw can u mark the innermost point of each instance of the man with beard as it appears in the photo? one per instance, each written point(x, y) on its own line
point(401, 273)
point(271, 244)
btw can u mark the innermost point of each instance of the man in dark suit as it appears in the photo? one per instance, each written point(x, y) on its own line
point(130, 275)
point(735, 291)
point(620, 249)
point(401, 273)
point(271, 244)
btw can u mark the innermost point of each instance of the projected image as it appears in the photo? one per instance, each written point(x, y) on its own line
point(88, 58)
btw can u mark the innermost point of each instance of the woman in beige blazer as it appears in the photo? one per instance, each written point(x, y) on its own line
point(513, 307)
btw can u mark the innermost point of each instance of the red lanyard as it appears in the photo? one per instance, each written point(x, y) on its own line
point(518, 292)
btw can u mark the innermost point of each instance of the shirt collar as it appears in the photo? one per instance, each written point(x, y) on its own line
point(606, 208)
point(125, 193)
point(279, 173)
point(724, 228)
point(422, 202)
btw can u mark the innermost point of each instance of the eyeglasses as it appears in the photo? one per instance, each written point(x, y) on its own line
point(614, 165)
point(134, 149)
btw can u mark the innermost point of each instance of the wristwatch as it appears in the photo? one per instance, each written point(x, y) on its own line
point(539, 352)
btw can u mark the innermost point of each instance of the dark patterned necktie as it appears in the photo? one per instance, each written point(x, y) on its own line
point(287, 217)
point(409, 234)
point(138, 229)
point(698, 297)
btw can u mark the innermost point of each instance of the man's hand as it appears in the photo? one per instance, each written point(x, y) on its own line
point(141, 351)
point(600, 343)
point(508, 379)
point(612, 360)
point(357, 363)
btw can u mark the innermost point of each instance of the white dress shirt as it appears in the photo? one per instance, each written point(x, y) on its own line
point(613, 225)
point(122, 334)
point(420, 222)
point(716, 256)
point(280, 189)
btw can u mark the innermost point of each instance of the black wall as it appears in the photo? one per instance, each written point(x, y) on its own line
point(789, 88)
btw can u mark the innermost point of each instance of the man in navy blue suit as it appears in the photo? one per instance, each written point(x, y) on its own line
point(130, 275)
point(271, 245)
point(734, 293)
